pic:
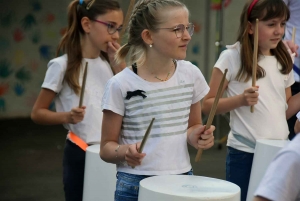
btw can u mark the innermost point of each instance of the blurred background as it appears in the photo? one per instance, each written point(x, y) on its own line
point(30, 30)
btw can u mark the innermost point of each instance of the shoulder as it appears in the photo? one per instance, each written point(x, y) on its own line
point(59, 62)
point(187, 66)
point(232, 50)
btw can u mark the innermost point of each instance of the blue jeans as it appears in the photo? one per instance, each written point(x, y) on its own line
point(73, 171)
point(238, 169)
point(127, 188)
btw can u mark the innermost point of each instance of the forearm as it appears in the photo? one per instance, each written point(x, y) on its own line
point(293, 105)
point(111, 153)
point(47, 117)
point(258, 198)
point(224, 104)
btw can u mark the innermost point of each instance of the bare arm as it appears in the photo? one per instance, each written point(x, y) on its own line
point(258, 198)
point(248, 98)
point(110, 150)
point(42, 115)
point(293, 103)
point(196, 134)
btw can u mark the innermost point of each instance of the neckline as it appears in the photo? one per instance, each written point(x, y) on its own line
point(161, 82)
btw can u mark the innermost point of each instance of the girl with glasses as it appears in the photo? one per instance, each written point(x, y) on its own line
point(159, 84)
point(91, 36)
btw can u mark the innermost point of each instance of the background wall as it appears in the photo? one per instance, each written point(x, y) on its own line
point(30, 31)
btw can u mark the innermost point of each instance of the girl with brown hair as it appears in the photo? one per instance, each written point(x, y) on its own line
point(272, 95)
point(91, 36)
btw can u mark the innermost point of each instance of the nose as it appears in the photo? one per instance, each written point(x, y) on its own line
point(279, 29)
point(186, 35)
point(115, 36)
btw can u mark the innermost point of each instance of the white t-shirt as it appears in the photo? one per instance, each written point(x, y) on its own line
point(169, 103)
point(268, 120)
point(294, 21)
point(98, 74)
point(282, 178)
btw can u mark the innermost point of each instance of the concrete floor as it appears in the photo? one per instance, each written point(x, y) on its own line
point(31, 161)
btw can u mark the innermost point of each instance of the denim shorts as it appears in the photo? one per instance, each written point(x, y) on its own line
point(127, 188)
point(238, 169)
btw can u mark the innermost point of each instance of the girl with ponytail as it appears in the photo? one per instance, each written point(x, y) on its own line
point(91, 37)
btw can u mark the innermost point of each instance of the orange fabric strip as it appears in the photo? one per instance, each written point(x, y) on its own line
point(79, 142)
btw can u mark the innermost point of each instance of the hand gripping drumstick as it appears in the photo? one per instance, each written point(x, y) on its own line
point(145, 138)
point(254, 65)
point(212, 112)
point(126, 21)
point(83, 85)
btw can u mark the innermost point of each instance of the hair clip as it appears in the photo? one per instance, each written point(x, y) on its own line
point(81, 2)
point(90, 4)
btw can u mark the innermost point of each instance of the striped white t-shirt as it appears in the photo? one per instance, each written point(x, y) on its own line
point(169, 103)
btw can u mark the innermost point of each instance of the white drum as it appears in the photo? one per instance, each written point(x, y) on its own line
point(99, 176)
point(265, 151)
point(187, 187)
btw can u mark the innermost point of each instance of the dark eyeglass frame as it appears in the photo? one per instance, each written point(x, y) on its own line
point(181, 28)
point(110, 27)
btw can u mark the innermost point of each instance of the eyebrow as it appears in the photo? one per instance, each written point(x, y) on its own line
point(114, 23)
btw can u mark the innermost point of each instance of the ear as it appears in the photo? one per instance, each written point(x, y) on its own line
point(86, 24)
point(250, 28)
point(147, 37)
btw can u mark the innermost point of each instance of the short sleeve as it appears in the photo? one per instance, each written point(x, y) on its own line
point(54, 77)
point(113, 99)
point(282, 178)
point(201, 87)
point(290, 79)
point(225, 62)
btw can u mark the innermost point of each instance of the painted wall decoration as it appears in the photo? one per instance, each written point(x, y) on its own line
point(30, 33)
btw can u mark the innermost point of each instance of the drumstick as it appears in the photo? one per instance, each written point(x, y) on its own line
point(145, 138)
point(83, 85)
point(293, 34)
point(212, 112)
point(126, 21)
point(254, 65)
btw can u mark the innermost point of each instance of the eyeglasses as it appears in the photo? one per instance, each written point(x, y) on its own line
point(179, 29)
point(111, 28)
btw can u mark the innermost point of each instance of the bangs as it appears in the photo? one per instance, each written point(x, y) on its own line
point(275, 9)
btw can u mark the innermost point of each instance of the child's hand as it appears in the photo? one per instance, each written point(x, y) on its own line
point(201, 138)
point(132, 156)
point(291, 47)
point(112, 48)
point(76, 115)
point(250, 96)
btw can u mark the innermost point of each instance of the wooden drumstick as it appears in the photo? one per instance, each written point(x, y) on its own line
point(145, 138)
point(126, 21)
point(212, 112)
point(293, 34)
point(254, 65)
point(83, 85)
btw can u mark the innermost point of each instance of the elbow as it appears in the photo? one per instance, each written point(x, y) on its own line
point(34, 117)
point(102, 155)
